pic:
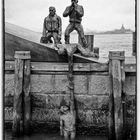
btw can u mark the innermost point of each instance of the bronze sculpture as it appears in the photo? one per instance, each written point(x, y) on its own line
point(67, 122)
point(52, 27)
point(75, 13)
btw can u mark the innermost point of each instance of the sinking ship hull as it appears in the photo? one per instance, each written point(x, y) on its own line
point(20, 39)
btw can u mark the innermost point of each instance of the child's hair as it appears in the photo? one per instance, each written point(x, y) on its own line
point(62, 109)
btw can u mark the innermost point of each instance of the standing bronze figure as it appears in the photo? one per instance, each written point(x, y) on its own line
point(52, 27)
point(75, 13)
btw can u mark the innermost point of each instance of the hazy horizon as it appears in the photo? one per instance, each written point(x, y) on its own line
point(98, 15)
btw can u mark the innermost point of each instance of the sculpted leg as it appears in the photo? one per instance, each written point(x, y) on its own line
point(72, 136)
point(68, 30)
point(66, 135)
point(48, 37)
point(56, 39)
point(86, 52)
point(79, 29)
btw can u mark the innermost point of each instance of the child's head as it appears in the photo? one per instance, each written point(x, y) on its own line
point(64, 109)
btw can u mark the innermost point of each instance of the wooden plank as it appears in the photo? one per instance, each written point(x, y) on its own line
point(27, 98)
point(17, 111)
point(130, 68)
point(59, 67)
point(130, 60)
point(46, 66)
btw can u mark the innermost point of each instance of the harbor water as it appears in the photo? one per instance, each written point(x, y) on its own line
point(8, 136)
point(110, 42)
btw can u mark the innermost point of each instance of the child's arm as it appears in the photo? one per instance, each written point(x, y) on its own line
point(61, 126)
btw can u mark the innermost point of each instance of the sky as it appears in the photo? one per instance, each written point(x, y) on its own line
point(99, 15)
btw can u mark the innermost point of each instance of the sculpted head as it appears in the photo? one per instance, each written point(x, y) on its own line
point(76, 1)
point(52, 10)
point(64, 109)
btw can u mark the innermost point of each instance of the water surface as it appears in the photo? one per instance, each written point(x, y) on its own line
point(8, 136)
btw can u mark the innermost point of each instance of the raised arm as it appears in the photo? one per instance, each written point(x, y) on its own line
point(61, 126)
point(79, 10)
point(68, 10)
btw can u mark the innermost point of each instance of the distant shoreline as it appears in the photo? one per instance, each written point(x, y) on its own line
point(87, 33)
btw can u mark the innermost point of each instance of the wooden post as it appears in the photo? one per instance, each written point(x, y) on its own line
point(116, 61)
point(111, 120)
point(90, 41)
point(123, 98)
point(134, 49)
point(26, 92)
point(17, 107)
point(96, 50)
point(21, 108)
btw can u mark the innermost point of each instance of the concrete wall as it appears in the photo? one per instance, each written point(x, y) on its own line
point(91, 96)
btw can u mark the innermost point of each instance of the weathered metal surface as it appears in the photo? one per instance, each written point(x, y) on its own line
point(38, 51)
point(25, 41)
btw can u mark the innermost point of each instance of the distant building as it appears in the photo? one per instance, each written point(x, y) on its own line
point(122, 30)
